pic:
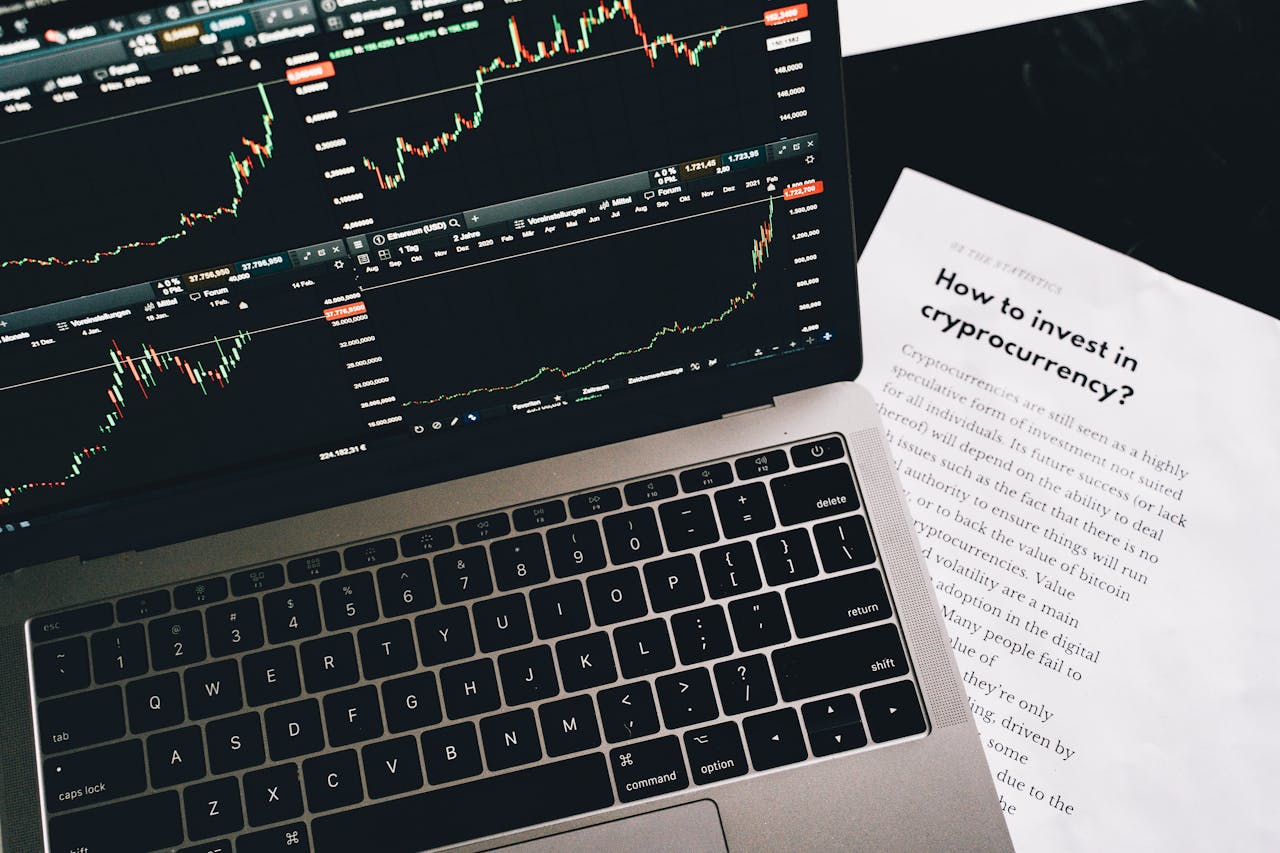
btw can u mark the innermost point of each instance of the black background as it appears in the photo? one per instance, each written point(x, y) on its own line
point(1152, 128)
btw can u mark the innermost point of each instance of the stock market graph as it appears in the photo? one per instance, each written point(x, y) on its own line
point(271, 250)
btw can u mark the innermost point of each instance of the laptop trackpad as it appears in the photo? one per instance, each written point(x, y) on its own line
point(691, 828)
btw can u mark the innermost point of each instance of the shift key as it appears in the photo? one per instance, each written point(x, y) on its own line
point(839, 663)
point(816, 493)
point(94, 776)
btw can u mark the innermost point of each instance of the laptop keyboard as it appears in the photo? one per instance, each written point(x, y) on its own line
point(481, 676)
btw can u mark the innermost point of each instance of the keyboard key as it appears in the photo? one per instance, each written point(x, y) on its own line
point(648, 491)
point(333, 781)
point(586, 662)
point(687, 698)
point(387, 649)
point(674, 583)
point(688, 523)
point(235, 743)
point(816, 493)
point(412, 702)
point(406, 588)
point(150, 823)
point(595, 503)
point(519, 562)
point(701, 635)
point(648, 768)
point(294, 730)
point(617, 596)
point(81, 720)
point(212, 690)
point(744, 510)
point(252, 581)
point(272, 795)
point(731, 570)
point(644, 648)
point(463, 575)
point(94, 776)
point(221, 845)
point(481, 529)
point(452, 753)
point(833, 725)
point(464, 812)
point(177, 640)
point(61, 667)
point(445, 636)
point(559, 609)
point(706, 477)
point(349, 601)
point(817, 452)
point(893, 711)
point(787, 557)
point(271, 676)
point(838, 603)
point(119, 653)
point(871, 654)
point(212, 808)
point(277, 839)
point(392, 767)
point(427, 541)
point(715, 753)
point(844, 544)
point(154, 703)
point(761, 465)
point(469, 688)
point(315, 567)
point(502, 623)
point(234, 627)
point(576, 549)
point(79, 621)
point(176, 757)
point(774, 739)
point(528, 675)
point(291, 614)
point(569, 726)
point(539, 515)
point(200, 593)
point(510, 740)
point(370, 554)
point(759, 621)
point(143, 606)
point(632, 536)
point(628, 711)
point(329, 663)
point(353, 716)
point(745, 684)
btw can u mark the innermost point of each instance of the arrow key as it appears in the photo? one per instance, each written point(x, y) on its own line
point(774, 739)
point(834, 725)
point(893, 711)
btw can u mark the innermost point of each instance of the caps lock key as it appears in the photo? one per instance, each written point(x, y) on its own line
point(813, 494)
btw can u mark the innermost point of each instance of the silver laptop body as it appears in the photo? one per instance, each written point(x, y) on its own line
point(804, 695)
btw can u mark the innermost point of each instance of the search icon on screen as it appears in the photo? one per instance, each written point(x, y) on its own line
point(455, 223)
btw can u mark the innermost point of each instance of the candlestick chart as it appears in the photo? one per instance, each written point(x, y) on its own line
point(568, 317)
point(174, 189)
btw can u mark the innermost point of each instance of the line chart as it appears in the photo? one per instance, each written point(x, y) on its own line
point(760, 253)
point(144, 371)
point(242, 167)
point(561, 43)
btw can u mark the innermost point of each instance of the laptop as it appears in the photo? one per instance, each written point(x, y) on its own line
point(432, 424)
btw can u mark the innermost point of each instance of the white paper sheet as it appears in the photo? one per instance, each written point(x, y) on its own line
point(867, 25)
point(1101, 530)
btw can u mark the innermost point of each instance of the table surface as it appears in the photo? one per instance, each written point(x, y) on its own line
point(1152, 128)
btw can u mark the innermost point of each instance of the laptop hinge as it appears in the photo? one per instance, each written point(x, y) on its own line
point(766, 406)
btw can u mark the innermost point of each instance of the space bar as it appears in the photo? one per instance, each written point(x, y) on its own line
point(474, 810)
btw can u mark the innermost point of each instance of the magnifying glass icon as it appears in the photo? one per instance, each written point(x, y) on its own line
point(454, 223)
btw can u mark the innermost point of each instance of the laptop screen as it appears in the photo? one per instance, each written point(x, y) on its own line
point(258, 257)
